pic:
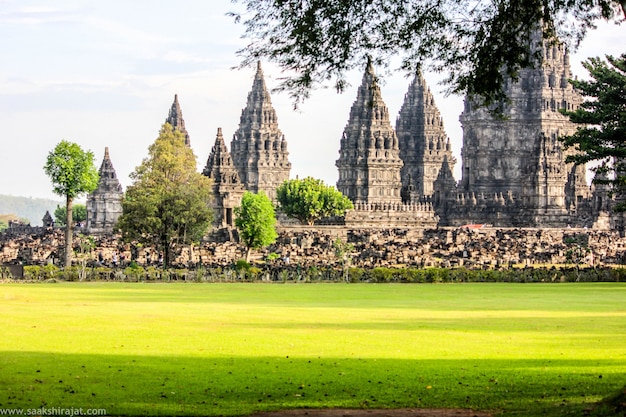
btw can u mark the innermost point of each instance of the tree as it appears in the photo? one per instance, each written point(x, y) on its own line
point(471, 40)
point(168, 203)
point(79, 214)
point(255, 220)
point(72, 172)
point(310, 199)
point(343, 252)
point(602, 116)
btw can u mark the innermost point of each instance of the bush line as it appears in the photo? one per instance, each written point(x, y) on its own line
point(243, 272)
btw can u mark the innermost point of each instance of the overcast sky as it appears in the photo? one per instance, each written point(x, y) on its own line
point(105, 74)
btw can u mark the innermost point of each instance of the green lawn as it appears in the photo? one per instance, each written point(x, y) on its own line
point(232, 349)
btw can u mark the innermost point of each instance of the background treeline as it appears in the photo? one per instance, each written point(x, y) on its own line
point(243, 272)
point(32, 209)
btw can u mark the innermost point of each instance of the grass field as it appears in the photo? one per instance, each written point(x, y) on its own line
point(232, 349)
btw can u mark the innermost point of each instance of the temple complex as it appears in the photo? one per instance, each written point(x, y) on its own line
point(227, 187)
point(104, 205)
point(369, 166)
point(259, 149)
point(513, 164)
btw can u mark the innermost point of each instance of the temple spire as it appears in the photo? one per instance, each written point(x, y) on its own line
point(258, 148)
point(104, 205)
point(227, 188)
point(423, 141)
point(175, 118)
point(108, 176)
point(369, 163)
point(219, 165)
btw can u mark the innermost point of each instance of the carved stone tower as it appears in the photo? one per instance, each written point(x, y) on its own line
point(175, 118)
point(422, 140)
point(104, 205)
point(444, 186)
point(258, 148)
point(521, 155)
point(227, 188)
point(369, 162)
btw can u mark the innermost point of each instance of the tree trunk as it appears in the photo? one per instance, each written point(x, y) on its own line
point(248, 252)
point(68, 231)
point(166, 251)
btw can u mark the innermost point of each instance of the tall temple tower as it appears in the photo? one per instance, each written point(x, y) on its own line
point(369, 162)
point(227, 188)
point(175, 118)
point(422, 139)
point(104, 205)
point(520, 155)
point(258, 148)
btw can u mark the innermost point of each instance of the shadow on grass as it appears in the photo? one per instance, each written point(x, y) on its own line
point(205, 385)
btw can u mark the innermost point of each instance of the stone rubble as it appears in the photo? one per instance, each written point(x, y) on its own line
point(373, 247)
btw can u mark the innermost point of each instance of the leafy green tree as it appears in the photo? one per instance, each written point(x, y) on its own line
point(470, 40)
point(3, 226)
point(168, 203)
point(601, 136)
point(72, 172)
point(256, 221)
point(86, 246)
point(310, 199)
point(79, 214)
point(343, 252)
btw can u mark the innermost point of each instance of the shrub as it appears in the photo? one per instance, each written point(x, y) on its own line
point(253, 273)
point(49, 271)
point(70, 273)
point(133, 272)
point(271, 257)
point(242, 264)
point(32, 272)
point(382, 274)
point(356, 274)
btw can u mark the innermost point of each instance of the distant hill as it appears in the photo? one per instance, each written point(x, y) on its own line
point(29, 208)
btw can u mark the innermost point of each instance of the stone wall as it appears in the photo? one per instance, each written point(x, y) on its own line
point(412, 215)
point(442, 247)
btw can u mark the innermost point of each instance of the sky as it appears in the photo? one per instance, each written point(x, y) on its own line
point(104, 74)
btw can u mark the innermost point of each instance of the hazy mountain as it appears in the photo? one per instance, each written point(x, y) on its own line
point(29, 208)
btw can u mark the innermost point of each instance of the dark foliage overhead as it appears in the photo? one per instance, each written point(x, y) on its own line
point(318, 41)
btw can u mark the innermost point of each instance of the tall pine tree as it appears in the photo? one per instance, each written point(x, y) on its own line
point(168, 203)
point(601, 138)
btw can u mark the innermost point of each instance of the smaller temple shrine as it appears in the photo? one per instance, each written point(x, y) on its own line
point(227, 187)
point(104, 205)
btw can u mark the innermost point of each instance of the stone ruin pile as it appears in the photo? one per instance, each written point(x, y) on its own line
point(373, 247)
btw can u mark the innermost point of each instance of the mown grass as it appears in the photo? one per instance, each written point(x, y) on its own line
point(232, 349)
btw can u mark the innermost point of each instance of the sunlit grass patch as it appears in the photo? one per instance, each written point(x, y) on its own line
point(231, 349)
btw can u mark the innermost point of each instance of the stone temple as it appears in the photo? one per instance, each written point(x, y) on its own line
point(369, 158)
point(423, 142)
point(259, 149)
point(513, 165)
point(104, 205)
point(370, 166)
point(227, 187)
point(513, 171)
point(513, 168)
point(175, 118)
